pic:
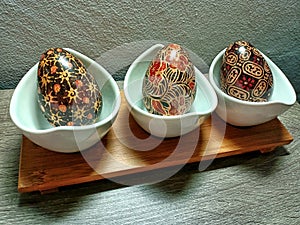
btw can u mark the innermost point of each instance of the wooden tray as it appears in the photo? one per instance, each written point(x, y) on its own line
point(45, 171)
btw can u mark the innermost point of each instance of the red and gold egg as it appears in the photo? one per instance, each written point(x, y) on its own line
point(169, 85)
point(245, 74)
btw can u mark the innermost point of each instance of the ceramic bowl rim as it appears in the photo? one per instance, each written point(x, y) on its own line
point(238, 101)
point(162, 117)
point(105, 120)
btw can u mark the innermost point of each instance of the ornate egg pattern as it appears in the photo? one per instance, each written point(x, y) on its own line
point(245, 74)
point(67, 94)
point(169, 85)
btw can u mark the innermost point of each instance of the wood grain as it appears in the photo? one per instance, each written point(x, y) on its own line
point(127, 149)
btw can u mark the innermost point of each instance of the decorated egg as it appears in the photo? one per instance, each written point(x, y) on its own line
point(68, 94)
point(245, 74)
point(169, 85)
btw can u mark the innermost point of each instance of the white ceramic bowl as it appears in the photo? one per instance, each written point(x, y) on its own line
point(243, 113)
point(26, 114)
point(166, 126)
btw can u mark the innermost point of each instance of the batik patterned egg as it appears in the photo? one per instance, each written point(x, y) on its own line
point(245, 74)
point(68, 94)
point(169, 85)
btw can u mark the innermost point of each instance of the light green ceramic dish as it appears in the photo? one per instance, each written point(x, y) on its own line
point(244, 113)
point(26, 114)
point(166, 126)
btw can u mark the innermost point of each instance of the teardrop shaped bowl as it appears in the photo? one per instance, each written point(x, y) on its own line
point(27, 116)
point(243, 113)
point(166, 126)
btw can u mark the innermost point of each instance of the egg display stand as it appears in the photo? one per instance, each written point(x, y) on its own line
point(46, 171)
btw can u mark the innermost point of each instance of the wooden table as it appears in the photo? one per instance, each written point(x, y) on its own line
point(252, 188)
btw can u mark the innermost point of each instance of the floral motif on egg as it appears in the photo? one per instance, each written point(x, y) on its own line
point(245, 74)
point(68, 94)
point(169, 85)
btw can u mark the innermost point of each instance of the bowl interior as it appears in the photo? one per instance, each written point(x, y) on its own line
point(205, 99)
point(25, 110)
point(283, 92)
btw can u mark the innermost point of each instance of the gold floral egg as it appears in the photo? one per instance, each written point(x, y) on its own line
point(169, 85)
point(68, 94)
point(245, 74)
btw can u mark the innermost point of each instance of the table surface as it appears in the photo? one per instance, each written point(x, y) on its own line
point(252, 188)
